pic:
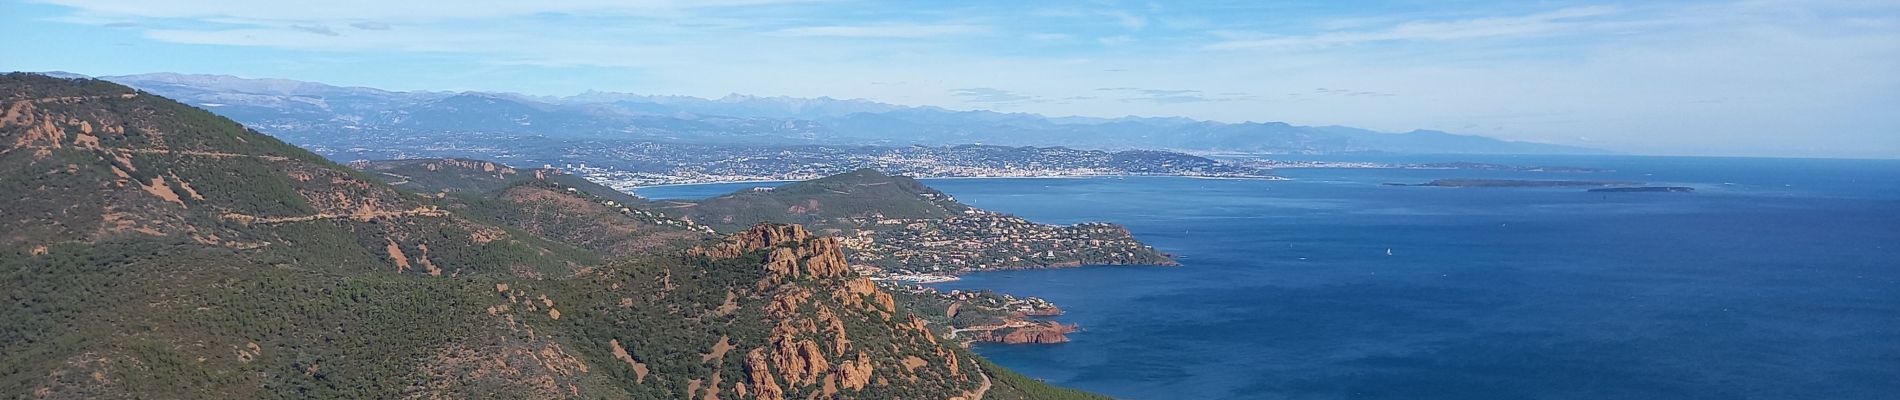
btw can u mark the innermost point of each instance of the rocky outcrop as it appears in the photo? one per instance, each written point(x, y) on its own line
point(864, 293)
point(758, 238)
point(820, 312)
point(1038, 332)
point(1046, 311)
point(817, 258)
point(855, 374)
point(792, 252)
point(759, 375)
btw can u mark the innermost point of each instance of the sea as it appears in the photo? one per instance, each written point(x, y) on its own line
point(1775, 279)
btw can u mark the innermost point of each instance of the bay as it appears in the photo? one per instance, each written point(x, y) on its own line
point(1778, 278)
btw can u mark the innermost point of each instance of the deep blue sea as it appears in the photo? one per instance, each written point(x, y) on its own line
point(1777, 279)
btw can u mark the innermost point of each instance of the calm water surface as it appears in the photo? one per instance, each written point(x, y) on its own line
point(1777, 279)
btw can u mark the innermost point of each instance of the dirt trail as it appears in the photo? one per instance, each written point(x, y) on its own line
point(193, 153)
point(981, 389)
point(418, 211)
point(212, 154)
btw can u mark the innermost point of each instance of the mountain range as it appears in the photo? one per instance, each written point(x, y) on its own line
point(296, 108)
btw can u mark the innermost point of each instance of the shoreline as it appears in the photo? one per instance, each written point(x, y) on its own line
point(1261, 178)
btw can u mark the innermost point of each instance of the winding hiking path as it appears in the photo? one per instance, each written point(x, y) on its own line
point(360, 216)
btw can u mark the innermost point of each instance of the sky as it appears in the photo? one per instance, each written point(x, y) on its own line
point(1804, 78)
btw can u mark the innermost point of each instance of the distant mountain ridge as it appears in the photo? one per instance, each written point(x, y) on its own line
point(306, 108)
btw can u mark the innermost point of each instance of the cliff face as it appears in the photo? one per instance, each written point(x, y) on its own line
point(759, 237)
point(1025, 332)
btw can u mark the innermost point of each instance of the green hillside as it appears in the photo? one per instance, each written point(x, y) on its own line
point(156, 251)
point(544, 202)
point(864, 193)
point(464, 176)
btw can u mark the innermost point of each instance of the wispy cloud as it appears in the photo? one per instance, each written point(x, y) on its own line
point(1629, 75)
point(378, 10)
point(1127, 19)
point(1115, 40)
point(1115, 17)
point(1049, 37)
point(899, 31)
point(1171, 96)
point(1348, 92)
point(1536, 24)
point(317, 29)
point(992, 95)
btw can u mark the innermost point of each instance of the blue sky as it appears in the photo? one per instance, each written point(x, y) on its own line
point(1720, 77)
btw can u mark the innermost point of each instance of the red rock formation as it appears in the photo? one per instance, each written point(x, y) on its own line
point(854, 291)
point(950, 360)
point(794, 252)
point(809, 350)
point(799, 361)
point(854, 374)
point(759, 237)
point(762, 384)
point(1049, 311)
point(835, 326)
point(1034, 332)
point(786, 303)
point(919, 327)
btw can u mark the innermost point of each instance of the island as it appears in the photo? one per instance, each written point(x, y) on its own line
point(1271, 164)
point(1646, 189)
point(1512, 183)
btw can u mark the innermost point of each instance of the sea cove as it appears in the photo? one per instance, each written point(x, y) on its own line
point(1775, 279)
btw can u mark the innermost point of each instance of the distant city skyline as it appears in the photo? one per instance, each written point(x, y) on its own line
point(1741, 77)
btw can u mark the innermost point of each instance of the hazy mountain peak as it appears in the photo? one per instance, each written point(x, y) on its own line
point(64, 75)
point(750, 119)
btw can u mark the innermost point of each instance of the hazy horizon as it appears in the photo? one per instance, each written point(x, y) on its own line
point(1716, 78)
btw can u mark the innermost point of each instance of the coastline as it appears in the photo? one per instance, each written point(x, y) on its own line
point(1262, 178)
point(713, 183)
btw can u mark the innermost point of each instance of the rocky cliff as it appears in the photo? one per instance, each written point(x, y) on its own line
point(1022, 332)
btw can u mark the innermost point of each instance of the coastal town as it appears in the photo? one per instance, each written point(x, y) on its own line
point(631, 167)
point(627, 165)
point(924, 249)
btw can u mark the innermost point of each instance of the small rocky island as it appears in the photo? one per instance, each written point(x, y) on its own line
point(1645, 189)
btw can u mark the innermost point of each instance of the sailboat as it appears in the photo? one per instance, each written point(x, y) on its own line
point(1388, 251)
